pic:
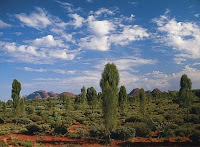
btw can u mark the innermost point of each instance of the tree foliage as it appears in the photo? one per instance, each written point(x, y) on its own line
point(83, 94)
point(16, 88)
point(91, 97)
point(109, 85)
point(122, 98)
point(185, 92)
point(142, 101)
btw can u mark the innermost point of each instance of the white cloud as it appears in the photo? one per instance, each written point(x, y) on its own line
point(196, 15)
point(4, 25)
point(129, 34)
point(37, 54)
point(62, 54)
point(104, 33)
point(127, 63)
point(103, 11)
point(60, 71)
point(78, 20)
point(95, 43)
point(182, 36)
point(179, 60)
point(34, 70)
point(48, 41)
point(99, 28)
point(37, 20)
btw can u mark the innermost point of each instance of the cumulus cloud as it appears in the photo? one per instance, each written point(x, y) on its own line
point(37, 20)
point(95, 43)
point(48, 41)
point(100, 28)
point(104, 33)
point(78, 20)
point(4, 25)
point(129, 34)
point(36, 54)
point(182, 36)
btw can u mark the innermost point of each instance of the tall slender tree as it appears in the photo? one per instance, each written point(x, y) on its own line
point(122, 98)
point(16, 88)
point(91, 97)
point(142, 101)
point(83, 94)
point(185, 92)
point(109, 85)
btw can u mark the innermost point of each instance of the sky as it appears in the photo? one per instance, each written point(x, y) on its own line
point(61, 45)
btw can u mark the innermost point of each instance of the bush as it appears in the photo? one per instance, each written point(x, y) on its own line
point(183, 131)
point(195, 109)
point(22, 120)
point(1, 121)
point(98, 131)
point(195, 137)
point(136, 118)
point(60, 130)
point(193, 118)
point(32, 128)
point(83, 132)
point(142, 130)
point(30, 109)
point(124, 132)
point(45, 128)
point(35, 118)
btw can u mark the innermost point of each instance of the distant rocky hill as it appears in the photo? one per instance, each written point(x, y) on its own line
point(69, 94)
point(156, 91)
point(136, 91)
point(43, 94)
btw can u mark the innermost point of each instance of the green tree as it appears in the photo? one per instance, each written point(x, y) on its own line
point(122, 98)
point(185, 93)
point(83, 94)
point(66, 101)
point(109, 85)
point(16, 88)
point(22, 107)
point(142, 101)
point(4, 108)
point(91, 97)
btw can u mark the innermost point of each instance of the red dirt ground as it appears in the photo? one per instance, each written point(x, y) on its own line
point(55, 140)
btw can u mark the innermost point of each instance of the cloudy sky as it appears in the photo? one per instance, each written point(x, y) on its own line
point(61, 45)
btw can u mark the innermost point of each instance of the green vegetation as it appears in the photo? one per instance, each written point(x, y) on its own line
point(109, 85)
point(111, 114)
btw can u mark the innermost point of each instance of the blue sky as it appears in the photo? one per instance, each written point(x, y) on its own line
point(61, 45)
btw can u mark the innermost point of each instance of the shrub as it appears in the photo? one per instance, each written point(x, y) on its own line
point(22, 120)
point(195, 137)
point(35, 118)
point(30, 109)
point(32, 128)
point(124, 132)
point(83, 132)
point(98, 131)
point(136, 118)
point(183, 131)
point(60, 130)
point(193, 118)
point(142, 130)
point(45, 128)
point(1, 121)
point(195, 109)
